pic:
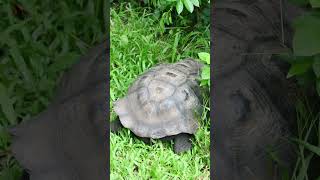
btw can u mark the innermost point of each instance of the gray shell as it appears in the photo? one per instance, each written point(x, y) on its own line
point(162, 101)
point(254, 112)
point(67, 138)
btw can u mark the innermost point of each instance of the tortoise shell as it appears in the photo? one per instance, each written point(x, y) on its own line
point(163, 101)
point(67, 138)
point(255, 102)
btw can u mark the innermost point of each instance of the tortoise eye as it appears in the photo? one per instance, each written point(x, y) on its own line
point(171, 74)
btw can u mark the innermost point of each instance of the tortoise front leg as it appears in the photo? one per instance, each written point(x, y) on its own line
point(115, 125)
point(182, 143)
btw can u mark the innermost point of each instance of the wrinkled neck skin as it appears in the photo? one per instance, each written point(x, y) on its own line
point(245, 35)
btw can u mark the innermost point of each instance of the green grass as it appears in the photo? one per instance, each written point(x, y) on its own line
point(307, 140)
point(136, 45)
point(39, 39)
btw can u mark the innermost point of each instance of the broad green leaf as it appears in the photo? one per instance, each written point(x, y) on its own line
point(316, 66)
point(179, 6)
point(299, 68)
point(205, 74)
point(195, 3)
point(188, 4)
point(310, 147)
point(204, 57)
point(6, 105)
point(315, 3)
point(306, 40)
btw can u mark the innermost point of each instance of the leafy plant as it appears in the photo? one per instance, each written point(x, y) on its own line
point(179, 5)
point(205, 73)
point(308, 142)
point(305, 59)
point(180, 12)
point(305, 66)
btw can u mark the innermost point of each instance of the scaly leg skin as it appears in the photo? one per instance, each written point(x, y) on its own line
point(182, 143)
point(115, 125)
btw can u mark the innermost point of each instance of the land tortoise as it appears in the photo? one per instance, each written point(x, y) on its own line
point(163, 103)
point(67, 141)
point(254, 103)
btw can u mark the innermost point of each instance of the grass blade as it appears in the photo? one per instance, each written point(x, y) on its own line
point(304, 168)
point(308, 146)
point(175, 46)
